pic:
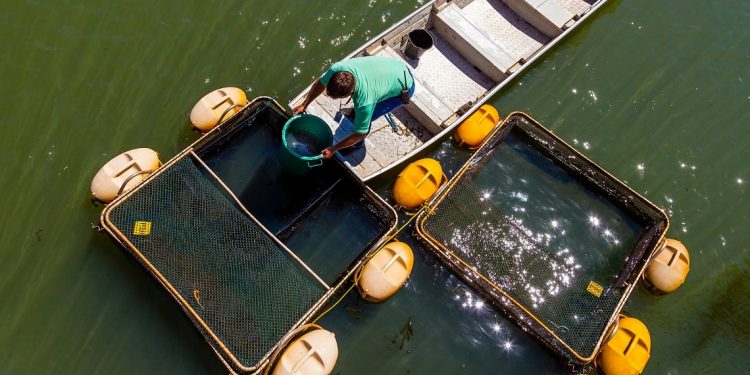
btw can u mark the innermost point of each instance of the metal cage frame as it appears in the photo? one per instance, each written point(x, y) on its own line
point(499, 297)
point(228, 358)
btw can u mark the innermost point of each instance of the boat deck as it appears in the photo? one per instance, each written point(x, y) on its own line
point(577, 7)
point(382, 147)
point(505, 27)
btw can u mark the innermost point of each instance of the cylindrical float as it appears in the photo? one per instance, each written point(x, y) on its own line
point(314, 353)
point(217, 106)
point(472, 132)
point(669, 269)
point(417, 183)
point(384, 274)
point(628, 351)
point(123, 172)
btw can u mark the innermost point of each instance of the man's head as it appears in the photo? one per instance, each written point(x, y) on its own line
point(340, 85)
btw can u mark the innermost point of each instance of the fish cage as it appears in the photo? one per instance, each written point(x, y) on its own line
point(248, 252)
point(547, 235)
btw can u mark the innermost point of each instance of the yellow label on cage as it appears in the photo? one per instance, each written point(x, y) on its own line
point(595, 289)
point(142, 228)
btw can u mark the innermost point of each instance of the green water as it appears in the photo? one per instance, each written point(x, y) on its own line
point(654, 91)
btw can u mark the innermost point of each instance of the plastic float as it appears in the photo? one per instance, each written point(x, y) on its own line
point(417, 183)
point(668, 270)
point(383, 275)
point(313, 353)
point(628, 349)
point(216, 107)
point(472, 132)
point(123, 172)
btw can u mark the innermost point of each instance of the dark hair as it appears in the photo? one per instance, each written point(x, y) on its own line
point(340, 85)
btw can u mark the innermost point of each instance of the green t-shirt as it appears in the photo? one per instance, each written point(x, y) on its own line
point(376, 78)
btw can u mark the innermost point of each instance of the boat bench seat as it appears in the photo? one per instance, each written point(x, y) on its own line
point(489, 57)
point(425, 105)
point(546, 15)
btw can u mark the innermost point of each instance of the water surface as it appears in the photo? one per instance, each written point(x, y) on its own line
point(655, 92)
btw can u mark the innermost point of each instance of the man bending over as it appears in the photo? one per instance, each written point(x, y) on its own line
point(377, 85)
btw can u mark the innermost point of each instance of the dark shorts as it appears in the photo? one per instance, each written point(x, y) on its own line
point(390, 104)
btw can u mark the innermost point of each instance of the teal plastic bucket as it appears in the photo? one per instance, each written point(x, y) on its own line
point(303, 138)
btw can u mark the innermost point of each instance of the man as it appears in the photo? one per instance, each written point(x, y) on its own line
point(376, 84)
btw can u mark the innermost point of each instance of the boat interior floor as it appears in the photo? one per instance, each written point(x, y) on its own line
point(505, 28)
point(577, 7)
point(383, 146)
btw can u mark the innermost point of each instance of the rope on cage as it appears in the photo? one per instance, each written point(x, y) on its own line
point(358, 273)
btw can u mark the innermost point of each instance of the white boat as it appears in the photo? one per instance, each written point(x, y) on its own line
point(479, 47)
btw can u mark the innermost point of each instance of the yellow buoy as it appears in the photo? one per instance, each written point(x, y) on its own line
point(384, 274)
point(417, 183)
point(216, 106)
point(123, 172)
point(314, 353)
point(628, 351)
point(668, 270)
point(472, 132)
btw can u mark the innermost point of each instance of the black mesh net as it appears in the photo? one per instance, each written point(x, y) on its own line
point(236, 278)
point(520, 264)
point(545, 233)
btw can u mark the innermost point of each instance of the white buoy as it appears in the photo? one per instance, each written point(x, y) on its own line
point(123, 172)
point(314, 353)
point(669, 269)
point(217, 106)
point(384, 274)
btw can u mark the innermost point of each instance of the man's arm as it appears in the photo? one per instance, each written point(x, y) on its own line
point(315, 91)
point(351, 140)
point(362, 118)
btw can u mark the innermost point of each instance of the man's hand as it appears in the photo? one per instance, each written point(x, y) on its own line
point(315, 90)
point(327, 152)
point(299, 109)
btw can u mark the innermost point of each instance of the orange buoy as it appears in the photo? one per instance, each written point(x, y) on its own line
point(123, 172)
point(668, 270)
point(417, 183)
point(384, 274)
point(216, 106)
point(628, 351)
point(472, 132)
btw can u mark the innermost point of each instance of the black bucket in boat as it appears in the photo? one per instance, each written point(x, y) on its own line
point(417, 42)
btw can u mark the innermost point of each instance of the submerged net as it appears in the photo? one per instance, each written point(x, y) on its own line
point(517, 260)
point(516, 223)
point(240, 286)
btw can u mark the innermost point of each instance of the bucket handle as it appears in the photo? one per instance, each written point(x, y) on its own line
point(316, 162)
